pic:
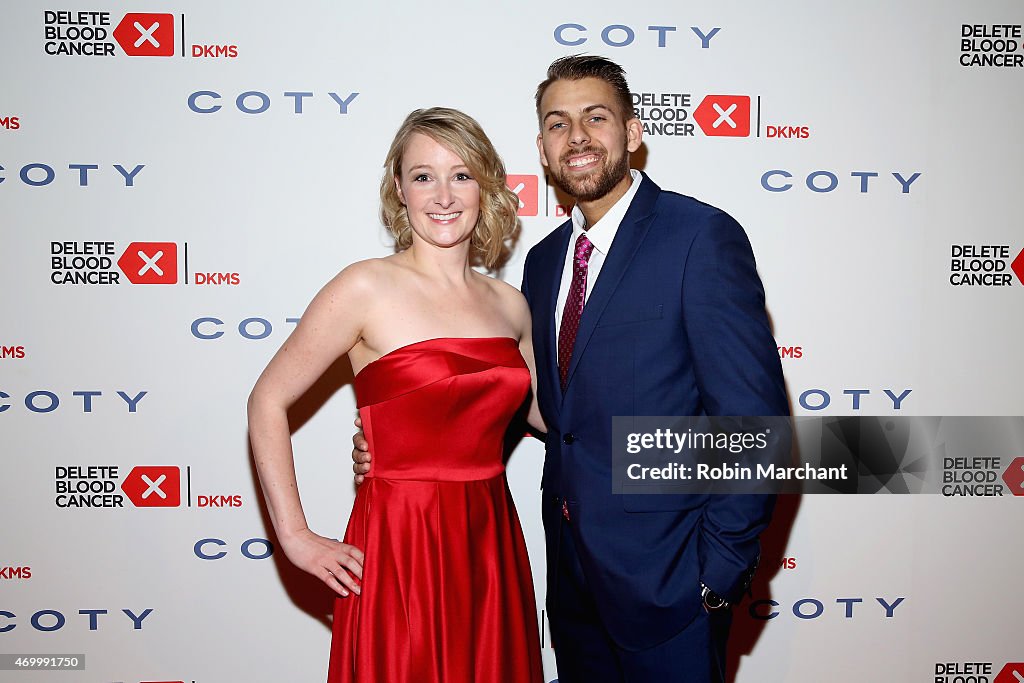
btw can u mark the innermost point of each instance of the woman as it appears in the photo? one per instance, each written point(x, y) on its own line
point(433, 553)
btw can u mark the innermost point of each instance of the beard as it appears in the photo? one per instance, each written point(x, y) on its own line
point(594, 186)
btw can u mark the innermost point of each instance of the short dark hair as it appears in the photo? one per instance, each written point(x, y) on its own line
point(578, 67)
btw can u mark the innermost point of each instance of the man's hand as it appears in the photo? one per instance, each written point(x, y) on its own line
point(360, 453)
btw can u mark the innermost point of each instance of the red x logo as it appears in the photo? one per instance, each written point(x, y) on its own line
point(1011, 673)
point(1014, 476)
point(150, 263)
point(153, 487)
point(142, 34)
point(724, 116)
point(1018, 266)
point(524, 187)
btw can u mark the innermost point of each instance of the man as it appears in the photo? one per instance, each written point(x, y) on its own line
point(645, 302)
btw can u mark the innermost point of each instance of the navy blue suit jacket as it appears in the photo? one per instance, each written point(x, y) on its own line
point(675, 325)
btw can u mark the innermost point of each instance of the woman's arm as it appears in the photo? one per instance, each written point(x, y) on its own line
point(330, 327)
point(525, 325)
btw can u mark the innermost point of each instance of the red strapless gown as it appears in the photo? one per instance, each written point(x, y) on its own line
point(447, 594)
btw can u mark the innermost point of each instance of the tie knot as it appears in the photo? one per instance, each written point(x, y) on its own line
point(583, 248)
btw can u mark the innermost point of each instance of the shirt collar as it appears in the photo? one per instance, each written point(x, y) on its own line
point(603, 232)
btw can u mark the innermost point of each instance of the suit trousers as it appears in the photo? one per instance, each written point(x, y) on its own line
point(585, 653)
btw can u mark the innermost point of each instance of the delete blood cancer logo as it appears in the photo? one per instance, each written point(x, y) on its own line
point(980, 475)
point(715, 116)
point(985, 265)
point(96, 486)
point(991, 45)
point(92, 263)
point(145, 486)
point(137, 34)
point(669, 114)
point(978, 672)
point(141, 263)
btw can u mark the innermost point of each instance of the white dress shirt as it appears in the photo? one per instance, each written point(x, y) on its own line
point(600, 235)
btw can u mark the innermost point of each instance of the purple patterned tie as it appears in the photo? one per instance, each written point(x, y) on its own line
point(573, 307)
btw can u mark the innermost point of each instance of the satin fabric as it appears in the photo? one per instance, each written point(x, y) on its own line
point(447, 593)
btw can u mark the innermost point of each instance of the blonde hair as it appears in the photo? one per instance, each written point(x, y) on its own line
point(498, 224)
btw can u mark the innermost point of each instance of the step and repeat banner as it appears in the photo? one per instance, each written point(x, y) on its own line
point(178, 179)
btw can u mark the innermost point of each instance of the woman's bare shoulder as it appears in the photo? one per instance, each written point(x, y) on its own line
point(511, 299)
point(368, 276)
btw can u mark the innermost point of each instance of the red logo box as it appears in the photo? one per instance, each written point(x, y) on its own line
point(153, 487)
point(724, 116)
point(150, 263)
point(1018, 266)
point(143, 34)
point(1014, 477)
point(1011, 673)
point(526, 188)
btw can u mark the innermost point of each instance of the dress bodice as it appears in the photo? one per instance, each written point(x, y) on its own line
point(438, 409)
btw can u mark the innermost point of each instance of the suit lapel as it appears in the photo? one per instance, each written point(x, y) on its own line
point(628, 238)
point(549, 268)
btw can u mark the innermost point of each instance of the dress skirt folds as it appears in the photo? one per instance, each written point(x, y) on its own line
point(447, 593)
